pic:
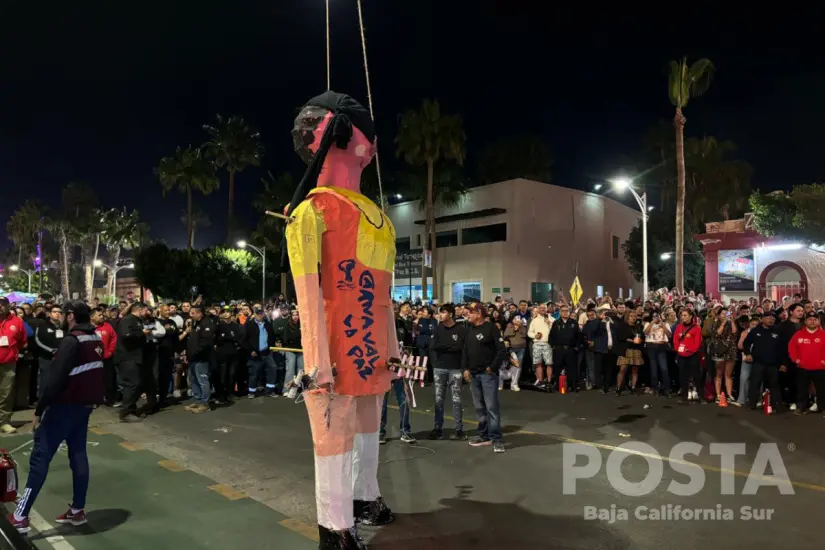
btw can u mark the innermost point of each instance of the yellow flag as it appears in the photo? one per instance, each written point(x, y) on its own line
point(576, 291)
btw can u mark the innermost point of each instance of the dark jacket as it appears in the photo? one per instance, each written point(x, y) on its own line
point(76, 374)
point(292, 335)
point(279, 328)
point(601, 341)
point(763, 344)
point(130, 340)
point(483, 348)
point(251, 332)
point(426, 327)
point(170, 342)
point(201, 340)
point(228, 338)
point(46, 338)
point(786, 330)
point(624, 334)
point(448, 345)
point(404, 327)
point(565, 333)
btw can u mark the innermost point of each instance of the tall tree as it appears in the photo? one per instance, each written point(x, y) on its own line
point(516, 157)
point(233, 145)
point(425, 137)
point(187, 171)
point(200, 219)
point(121, 230)
point(81, 212)
point(24, 226)
point(685, 81)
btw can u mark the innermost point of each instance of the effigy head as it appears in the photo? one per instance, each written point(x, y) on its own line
point(333, 119)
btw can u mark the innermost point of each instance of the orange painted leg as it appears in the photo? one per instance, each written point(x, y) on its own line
point(333, 457)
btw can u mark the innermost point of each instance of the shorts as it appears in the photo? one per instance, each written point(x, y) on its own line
point(542, 354)
point(632, 357)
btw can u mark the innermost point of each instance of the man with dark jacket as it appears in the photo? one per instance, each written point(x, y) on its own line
point(484, 352)
point(227, 343)
point(131, 339)
point(199, 349)
point(168, 345)
point(787, 368)
point(258, 338)
point(73, 389)
point(47, 335)
point(565, 336)
point(448, 344)
point(763, 344)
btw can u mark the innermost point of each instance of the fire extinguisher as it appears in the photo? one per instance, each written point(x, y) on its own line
point(8, 474)
point(563, 382)
point(766, 402)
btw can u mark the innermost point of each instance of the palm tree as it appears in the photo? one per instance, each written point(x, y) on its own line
point(685, 81)
point(232, 145)
point(121, 231)
point(187, 171)
point(24, 226)
point(80, 206)
point(199, 219)
point(274, 196)
point(424, 138)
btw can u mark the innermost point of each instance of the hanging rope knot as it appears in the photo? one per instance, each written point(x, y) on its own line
point(341, 130)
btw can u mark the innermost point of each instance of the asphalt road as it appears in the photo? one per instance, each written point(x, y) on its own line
point(447, 495)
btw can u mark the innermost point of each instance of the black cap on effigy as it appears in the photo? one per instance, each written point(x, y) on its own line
point(347, 112)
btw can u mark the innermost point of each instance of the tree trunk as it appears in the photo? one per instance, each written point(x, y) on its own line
point(89, 269)
point(190, 229)
point(230, 220)
point(431, 209)
point(110, 283)
point(20, 256)
point(679, 126)
point(64, 263)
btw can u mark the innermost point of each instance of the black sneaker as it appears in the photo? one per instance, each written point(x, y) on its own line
point(459, 435)
point(436, 434)
point(407, 438)
point(382, 439)
point(498, 447)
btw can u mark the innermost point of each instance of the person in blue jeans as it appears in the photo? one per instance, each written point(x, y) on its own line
point(292, 339)
point(483, 354)
point(657, 335)
point(397, 386)
point(448, 344)
point(259, 336)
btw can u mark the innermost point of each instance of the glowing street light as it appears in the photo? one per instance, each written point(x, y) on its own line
point(28, 273)
point(620, 184)
point(262, 252)
point(597, 187)
point(114, 270)
point(666, 255)
point(398, 196)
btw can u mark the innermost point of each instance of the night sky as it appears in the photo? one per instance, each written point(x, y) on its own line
point(99, 94)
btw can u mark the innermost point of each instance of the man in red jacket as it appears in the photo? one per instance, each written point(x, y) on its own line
point(807, 350)
point(108, 336)
point(12, 342)
point(687, 341)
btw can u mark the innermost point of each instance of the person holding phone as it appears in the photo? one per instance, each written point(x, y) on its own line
point(657, 334)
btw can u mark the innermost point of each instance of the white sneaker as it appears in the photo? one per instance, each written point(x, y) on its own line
point(793, 406)
point(501, 388)
point(516, 388)
point(814, 408)
point(759, 404)
point(176, 393)
point(537, 383)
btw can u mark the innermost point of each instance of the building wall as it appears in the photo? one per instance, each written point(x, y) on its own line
point(550, 230)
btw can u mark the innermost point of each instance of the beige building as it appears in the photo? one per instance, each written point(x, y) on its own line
point(521, 239)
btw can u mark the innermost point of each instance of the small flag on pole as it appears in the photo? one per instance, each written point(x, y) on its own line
point(576, 291)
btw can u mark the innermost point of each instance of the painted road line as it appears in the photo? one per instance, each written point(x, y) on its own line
point(228, 492)
point(129, 446)
point(172, 466)
point(23, 446)
point(303, 529)
point(98, 431)
point(58, 542)
point(607, 447)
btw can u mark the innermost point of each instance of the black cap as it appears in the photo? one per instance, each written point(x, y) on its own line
point(811, 314)
point(257, 310)
point(77, 307)
point(768, 313)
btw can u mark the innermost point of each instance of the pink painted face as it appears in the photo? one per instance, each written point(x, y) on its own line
point(309, 129)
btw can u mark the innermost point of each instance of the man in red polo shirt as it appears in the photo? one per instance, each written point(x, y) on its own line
point(12, 342)
point(807, 350)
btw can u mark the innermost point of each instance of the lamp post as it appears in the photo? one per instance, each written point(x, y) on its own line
point(27, 272)
point(262, 252)
point(114, 270)
point(620, 185)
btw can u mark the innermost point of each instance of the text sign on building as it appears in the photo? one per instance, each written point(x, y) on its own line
point(737, 271)
point(408, 264)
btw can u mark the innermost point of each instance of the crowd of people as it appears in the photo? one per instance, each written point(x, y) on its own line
point(746, 353)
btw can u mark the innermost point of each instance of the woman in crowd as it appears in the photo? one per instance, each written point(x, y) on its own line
point(292, 339)
point(723, 347)
point(687, 341)
point(747, 361)
point(657, 335)
point(628, 350)
point(516, 336)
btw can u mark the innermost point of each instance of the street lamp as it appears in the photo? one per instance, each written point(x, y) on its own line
point(262, 252)
point(114, 270)
point(16, 267)
point(624, 183)
point(666, 255)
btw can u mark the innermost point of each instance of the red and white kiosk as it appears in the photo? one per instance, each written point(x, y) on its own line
point(740, 263)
